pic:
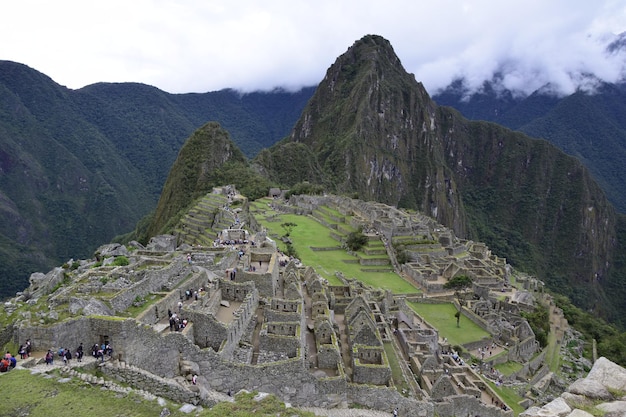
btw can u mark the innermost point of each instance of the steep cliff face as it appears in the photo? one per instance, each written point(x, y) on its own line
point(374, 132)
point(534, 204)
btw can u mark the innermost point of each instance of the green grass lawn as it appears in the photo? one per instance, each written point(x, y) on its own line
point(509, 395)
point(309, 233)
point(396, 371)
point(37, 395)
point(553, 357)
point(442, 317)
point(508, 368)
point(44, 397)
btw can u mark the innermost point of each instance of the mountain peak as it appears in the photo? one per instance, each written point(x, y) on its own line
point(372, 47)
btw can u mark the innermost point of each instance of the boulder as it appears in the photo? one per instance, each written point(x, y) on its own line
point(41, 284)
point(590, 388)
point(609, 374)
point(162, 243)
point(605, 377)
point(538, 412)
point(558, 406)
point(136, 245)
point(111, 250)
point(575, 400)
point(579, 413)
point(89, 307)
point(615, 408)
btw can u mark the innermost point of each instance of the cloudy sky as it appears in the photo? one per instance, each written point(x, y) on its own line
point(205, 45)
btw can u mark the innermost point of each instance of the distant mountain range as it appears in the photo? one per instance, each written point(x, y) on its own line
point(80, 166)
point(590, 126)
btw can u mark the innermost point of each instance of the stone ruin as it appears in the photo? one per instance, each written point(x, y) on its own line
point(257, 320)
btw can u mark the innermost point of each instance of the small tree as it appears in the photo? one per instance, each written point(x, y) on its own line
point(288, 227)
point(356, 240)
point(290, 250)
point(460, 284)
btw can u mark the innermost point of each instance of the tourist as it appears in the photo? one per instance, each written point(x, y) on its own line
point(22, 351)
point(67, 356)
point(79, 353)
point(49, 357)
point(4, 365)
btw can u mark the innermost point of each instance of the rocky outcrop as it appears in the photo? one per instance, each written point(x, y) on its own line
point(601, 393)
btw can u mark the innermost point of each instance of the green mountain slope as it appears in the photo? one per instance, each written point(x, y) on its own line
point(59, 181)
point(373, 132)
point(198, 169)
point(592, 127)
point(82, 166)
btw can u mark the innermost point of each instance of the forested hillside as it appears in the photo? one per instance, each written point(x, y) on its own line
point(588, 125)
point(82, 166)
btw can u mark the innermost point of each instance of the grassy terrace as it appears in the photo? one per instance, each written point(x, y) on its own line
point(442, 315)
point(396, 371)
point(309, 233)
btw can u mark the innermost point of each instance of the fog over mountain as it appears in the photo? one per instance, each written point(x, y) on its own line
point(197, 46)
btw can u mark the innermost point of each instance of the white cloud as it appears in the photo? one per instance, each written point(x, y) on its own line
point(206, 45)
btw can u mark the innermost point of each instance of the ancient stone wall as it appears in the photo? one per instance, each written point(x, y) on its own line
point(281, 338)
point(466, 405)
point(328, 355)
point(236, 329)
point(153, 282)
point(166, 388)
point(71, 333)
point(170, 301)
point(207, 330)
point(235, 290)
point(267, 283)
point(386, 399)
point(273, 315)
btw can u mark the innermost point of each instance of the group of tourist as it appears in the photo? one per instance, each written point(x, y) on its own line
point(102, 350)
point(229, 242)
point(176, 322)
point(98, 351)
point(7, 362)
point(486, 350)
point(25, 349)
point(191, 293)
point(231, 274)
